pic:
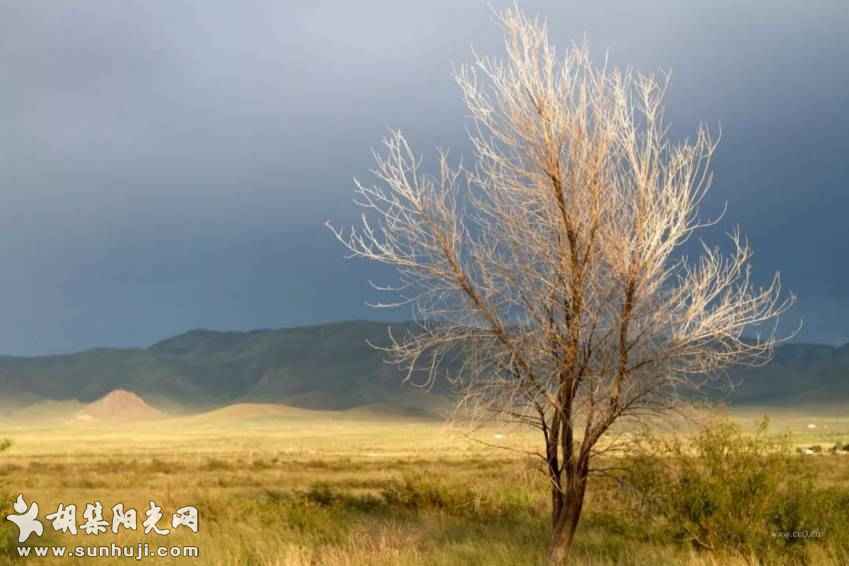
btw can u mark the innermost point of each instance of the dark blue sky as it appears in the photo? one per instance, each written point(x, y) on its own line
point(169, 164)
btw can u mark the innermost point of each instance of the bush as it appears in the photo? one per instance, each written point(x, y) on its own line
point(726, 491)
point(422, 494)
point(419, 493)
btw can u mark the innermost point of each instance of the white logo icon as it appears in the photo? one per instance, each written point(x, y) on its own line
point(26, 518)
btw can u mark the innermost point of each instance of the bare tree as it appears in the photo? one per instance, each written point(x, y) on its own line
point(555, 261)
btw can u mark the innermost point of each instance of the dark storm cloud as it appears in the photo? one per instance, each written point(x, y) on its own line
point(166, 165)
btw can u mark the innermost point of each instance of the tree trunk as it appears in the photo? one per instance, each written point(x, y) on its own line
point(566, 512)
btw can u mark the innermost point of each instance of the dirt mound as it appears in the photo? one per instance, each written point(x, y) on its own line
point(120, 405)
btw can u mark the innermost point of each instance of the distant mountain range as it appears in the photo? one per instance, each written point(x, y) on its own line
point(331, 366)
point(798, 375)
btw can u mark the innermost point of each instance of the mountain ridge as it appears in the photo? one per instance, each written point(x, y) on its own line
point(331, 367)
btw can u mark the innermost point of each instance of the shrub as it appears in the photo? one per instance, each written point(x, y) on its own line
point(419, 493)
point(726, 491)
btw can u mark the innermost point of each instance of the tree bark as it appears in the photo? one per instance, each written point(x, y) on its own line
point(566, 513)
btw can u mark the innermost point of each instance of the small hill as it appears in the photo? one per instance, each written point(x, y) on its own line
point(119, 405)
point(254, 411)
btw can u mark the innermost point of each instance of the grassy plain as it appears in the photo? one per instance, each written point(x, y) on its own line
point(282, 486)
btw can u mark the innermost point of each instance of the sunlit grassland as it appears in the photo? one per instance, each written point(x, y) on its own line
point(285, 486)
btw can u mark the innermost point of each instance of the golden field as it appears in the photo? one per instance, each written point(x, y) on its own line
point(282, 486)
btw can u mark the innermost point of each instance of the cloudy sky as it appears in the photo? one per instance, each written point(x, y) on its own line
point(169, 164)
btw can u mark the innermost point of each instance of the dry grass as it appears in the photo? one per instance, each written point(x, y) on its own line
point(278, 487)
